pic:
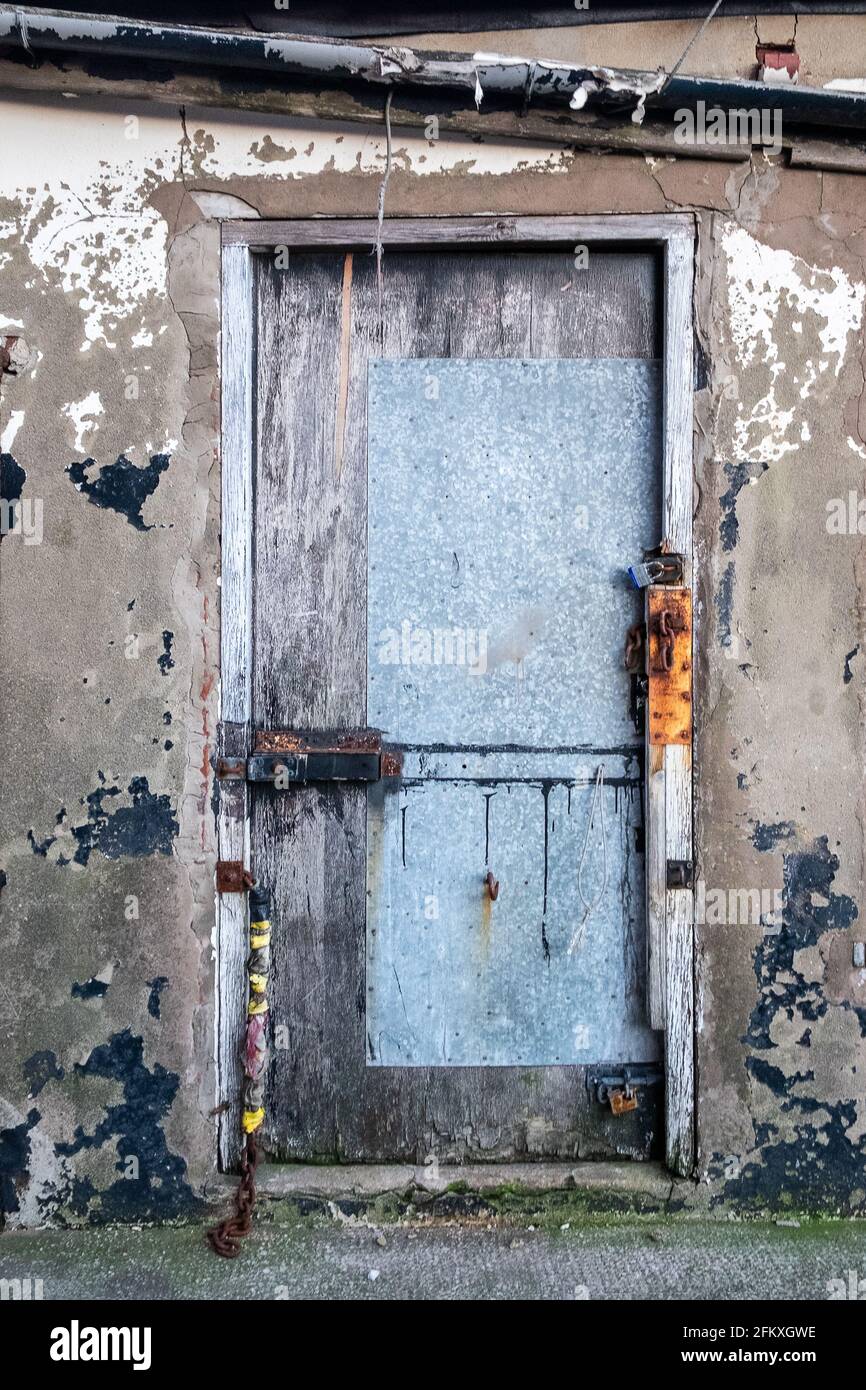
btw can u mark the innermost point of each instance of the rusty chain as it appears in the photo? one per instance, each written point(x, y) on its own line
point(225, 1239)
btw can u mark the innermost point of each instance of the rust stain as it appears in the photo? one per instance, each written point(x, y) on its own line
point(486, 921)
point(321, 741)
point(391, 764)
point(205, 689)
point(669, 665)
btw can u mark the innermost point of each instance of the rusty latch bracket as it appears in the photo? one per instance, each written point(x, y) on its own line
point(613, 1084)
point(680, 873)
point(287, 758)
point(313, 767)
point(669, 664)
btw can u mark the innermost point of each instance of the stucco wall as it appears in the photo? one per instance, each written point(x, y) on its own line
point(109, 252)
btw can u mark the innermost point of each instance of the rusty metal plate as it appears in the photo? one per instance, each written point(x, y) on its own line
point(669, 663)
point(230, 876)
point(505, 500)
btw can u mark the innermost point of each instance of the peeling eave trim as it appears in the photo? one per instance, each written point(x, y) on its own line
point(486, 81)
point(481, 76)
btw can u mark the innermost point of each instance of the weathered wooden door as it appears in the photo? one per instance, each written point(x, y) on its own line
point(452, 469)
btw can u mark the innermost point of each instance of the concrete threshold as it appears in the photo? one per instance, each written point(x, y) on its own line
point(650, 1181)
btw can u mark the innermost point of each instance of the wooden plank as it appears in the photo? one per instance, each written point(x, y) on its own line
point(237, 328)
point(310, 672)
point(679, 914)
point(423, 231)
point(237, 407)
point(310, 642)
point(656, 881)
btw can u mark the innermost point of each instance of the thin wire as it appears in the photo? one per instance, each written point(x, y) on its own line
point(689, 46)
point(589, 907)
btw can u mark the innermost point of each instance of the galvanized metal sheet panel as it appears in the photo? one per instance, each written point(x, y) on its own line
point(505, 499)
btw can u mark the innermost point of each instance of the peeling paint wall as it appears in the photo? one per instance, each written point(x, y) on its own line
point(109, 250)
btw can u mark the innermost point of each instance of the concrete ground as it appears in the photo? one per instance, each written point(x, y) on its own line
point(322, 1253)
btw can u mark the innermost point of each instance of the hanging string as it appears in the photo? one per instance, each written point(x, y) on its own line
point(589, 907)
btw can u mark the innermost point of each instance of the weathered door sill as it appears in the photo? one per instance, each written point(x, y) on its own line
point(646, 1181)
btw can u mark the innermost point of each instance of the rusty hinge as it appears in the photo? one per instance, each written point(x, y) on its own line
point(285, 758)
point(669, 664)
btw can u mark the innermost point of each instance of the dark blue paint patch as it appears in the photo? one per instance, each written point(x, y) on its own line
point(766, 837)
point(157, 1188)
point(819, 1171)
point(782, 988)
point(39, 1069)
point(700, 374)
point(4, 879)
point(12, 480)
point(773, 1077)
point(14, 1161)
point(166, 661)
point(40, 847)
point(724, 601)
point(146, 827)
point(122, 487)
point(156, 988)
point(848, 674)
point(738, 475)
point(90, 989)
point(822, 1168)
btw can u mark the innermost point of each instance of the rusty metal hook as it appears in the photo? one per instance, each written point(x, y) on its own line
point(492, 885)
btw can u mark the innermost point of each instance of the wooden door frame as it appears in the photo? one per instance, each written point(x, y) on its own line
point(670, 912)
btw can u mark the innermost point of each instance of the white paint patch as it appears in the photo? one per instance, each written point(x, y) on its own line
point(87, 219)
point(859, 450)
point(16, 420)
point(235, 147)
point(846, 84)
point(83, 415)
point(762, 283)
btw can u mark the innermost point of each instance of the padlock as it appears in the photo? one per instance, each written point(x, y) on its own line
point(642, 575)
point(621, 1101)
